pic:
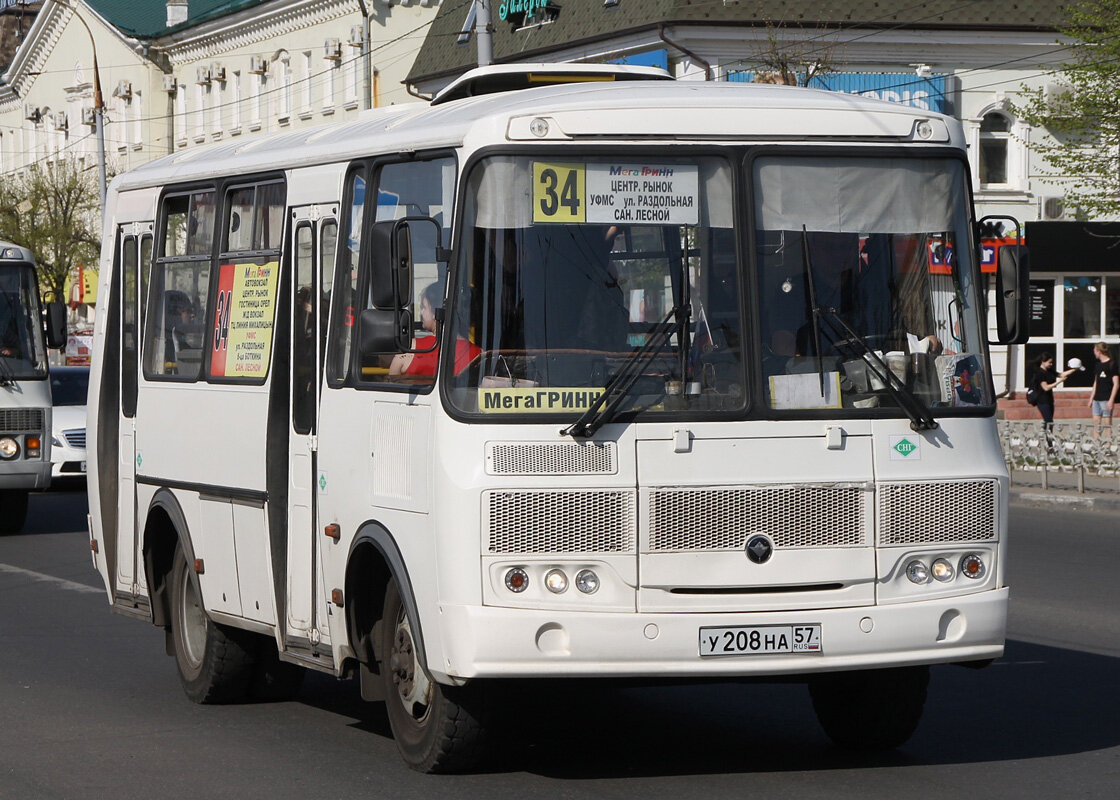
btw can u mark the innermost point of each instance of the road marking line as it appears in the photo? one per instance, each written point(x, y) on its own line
point(73, 586)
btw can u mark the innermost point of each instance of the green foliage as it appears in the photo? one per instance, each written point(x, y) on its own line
point(54, 210)
point(1083, 116)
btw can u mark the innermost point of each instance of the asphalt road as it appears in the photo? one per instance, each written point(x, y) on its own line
point(91, 707)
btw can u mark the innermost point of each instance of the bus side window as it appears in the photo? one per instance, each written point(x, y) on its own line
point(342, 318)
point(328, 248)
point(419, 189)
point(176, 309)
point(129, 335)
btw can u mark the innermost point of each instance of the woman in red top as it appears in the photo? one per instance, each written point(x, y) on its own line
point(424, 364)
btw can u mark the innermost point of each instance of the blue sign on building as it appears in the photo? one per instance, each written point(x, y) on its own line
point(929, 93)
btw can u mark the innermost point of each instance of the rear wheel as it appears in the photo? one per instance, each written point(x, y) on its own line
point(872, 709)
point(437, 728)
point(215, 663)
point(13, 510)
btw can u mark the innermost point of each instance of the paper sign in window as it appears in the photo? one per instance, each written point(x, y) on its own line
point(244, 314)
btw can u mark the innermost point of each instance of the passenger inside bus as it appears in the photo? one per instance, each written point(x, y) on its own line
point(183, 335)
point(424, 364)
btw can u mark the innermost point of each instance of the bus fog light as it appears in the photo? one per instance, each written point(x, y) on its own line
point(556, 581)
point(917, 573)
point(942, 570)
point(972, 566)
point(517, 580)
point(9, 447)
point(539, 127)
point(587, 581)
point(924, 130)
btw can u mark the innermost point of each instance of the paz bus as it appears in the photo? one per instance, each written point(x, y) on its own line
point(571, 372)
point(25, 392)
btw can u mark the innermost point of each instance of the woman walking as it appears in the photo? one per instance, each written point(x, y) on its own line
point(1040, 388)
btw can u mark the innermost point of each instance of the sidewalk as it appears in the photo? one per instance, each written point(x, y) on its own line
point(1101, 493)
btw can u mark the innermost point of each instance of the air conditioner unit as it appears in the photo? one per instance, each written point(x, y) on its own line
point(1053, 208)
point(123, 90)
point(357, 36)
point(217, 72)
point(332, 49)
point(89, 117)
point(258, 65)
point(60, 120)
point(170, 84)
point(32, 112)
point(202, 76)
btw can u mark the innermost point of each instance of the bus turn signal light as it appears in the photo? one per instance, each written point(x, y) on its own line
point(333, 531)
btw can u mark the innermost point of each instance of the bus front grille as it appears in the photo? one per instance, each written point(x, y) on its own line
point(559, 521)
point(21, 420)
point(949, 511)
point(551, 458)
point(682, 519)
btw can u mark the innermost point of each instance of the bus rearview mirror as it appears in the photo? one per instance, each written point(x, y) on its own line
point(384, 330)
point(1012, 285)
point(56, 325)
point(391, 273)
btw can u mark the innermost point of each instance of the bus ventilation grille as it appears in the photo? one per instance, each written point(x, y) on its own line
point(569, 458)
point(792, 516)
point(953, 511)
point(21, 420)
point(577, 521)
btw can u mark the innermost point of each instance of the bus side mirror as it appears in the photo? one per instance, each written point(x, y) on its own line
point(383, 330)
point(391, 273)
point(56, 325)
point(1012, 293)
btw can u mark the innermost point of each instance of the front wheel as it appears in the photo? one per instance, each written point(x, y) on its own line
point(13, 510)
point(871, 709)
point(437, 728)
point(215, 663)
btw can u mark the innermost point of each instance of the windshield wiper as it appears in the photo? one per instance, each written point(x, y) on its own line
point(921, 418)
point(618, 387)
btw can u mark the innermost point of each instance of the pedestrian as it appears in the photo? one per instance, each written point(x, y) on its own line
point(1106, 384)
point(1040, 389)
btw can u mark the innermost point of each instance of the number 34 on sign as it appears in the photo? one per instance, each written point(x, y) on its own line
point(611, 193)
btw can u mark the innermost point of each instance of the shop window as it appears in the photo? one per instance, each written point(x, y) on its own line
point(1082, 307)
point(1112, 306)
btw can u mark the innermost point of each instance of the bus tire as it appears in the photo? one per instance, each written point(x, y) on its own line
point(215, 662)
point(13, 510)
point(437, 728)
point(871, 709)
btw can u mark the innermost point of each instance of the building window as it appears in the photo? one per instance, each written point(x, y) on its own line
point(995, 138)
point(284, 96)
point(305, 86)
point(1069, 314)
point(235, 106)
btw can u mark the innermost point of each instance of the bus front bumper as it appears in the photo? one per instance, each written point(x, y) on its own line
point(484, 641)
point(25, 475)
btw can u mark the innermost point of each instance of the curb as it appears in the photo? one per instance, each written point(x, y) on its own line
point(1070, 500)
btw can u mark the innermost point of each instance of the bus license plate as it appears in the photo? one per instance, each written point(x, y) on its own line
point(760, 640)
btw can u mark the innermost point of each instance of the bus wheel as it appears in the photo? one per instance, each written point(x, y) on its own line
point(437, 728)
point(871, 709)
point(13, 510)
point(215, 663)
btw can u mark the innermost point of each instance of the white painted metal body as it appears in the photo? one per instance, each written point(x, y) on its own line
point(401, 460)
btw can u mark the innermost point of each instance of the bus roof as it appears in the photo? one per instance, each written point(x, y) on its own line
point(15, 252)
point(644, 110)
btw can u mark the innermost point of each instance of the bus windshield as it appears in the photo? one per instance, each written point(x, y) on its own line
point(867, 279)
point(569, 266)
point(22, 352)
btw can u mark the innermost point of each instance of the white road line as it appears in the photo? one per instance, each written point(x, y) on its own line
point(62, 583)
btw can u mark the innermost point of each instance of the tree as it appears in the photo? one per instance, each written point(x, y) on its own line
point(53, 209)
point(790, 56)
point(1081, 111)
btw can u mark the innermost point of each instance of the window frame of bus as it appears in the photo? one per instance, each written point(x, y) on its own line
point(761, 405)
point(370, 170)
point(255, 255)
point(733, 156)
point(157, 273)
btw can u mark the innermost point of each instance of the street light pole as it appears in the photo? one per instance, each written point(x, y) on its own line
point(98, 109)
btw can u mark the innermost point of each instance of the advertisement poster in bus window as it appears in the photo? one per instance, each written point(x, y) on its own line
point(244, 312)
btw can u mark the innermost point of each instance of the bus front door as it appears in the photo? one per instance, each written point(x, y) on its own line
point(313, 236)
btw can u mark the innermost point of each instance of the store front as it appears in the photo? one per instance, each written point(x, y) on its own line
point(1075, 292)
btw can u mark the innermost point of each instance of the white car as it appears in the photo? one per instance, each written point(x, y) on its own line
point(69, 387)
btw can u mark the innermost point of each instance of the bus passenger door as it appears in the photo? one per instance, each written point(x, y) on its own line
point(135, 249)
point(313, 234)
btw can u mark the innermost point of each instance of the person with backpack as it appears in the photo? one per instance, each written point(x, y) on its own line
point(1040, 388)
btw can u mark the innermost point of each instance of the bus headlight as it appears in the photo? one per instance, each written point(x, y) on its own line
point(972, 566)
point(587, 581)
point(556, 581)
point(9, 448)
point(917, 573)
point(942, 570)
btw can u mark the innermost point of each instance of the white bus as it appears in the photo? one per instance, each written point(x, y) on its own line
point(25, 392)
point(570, 372)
